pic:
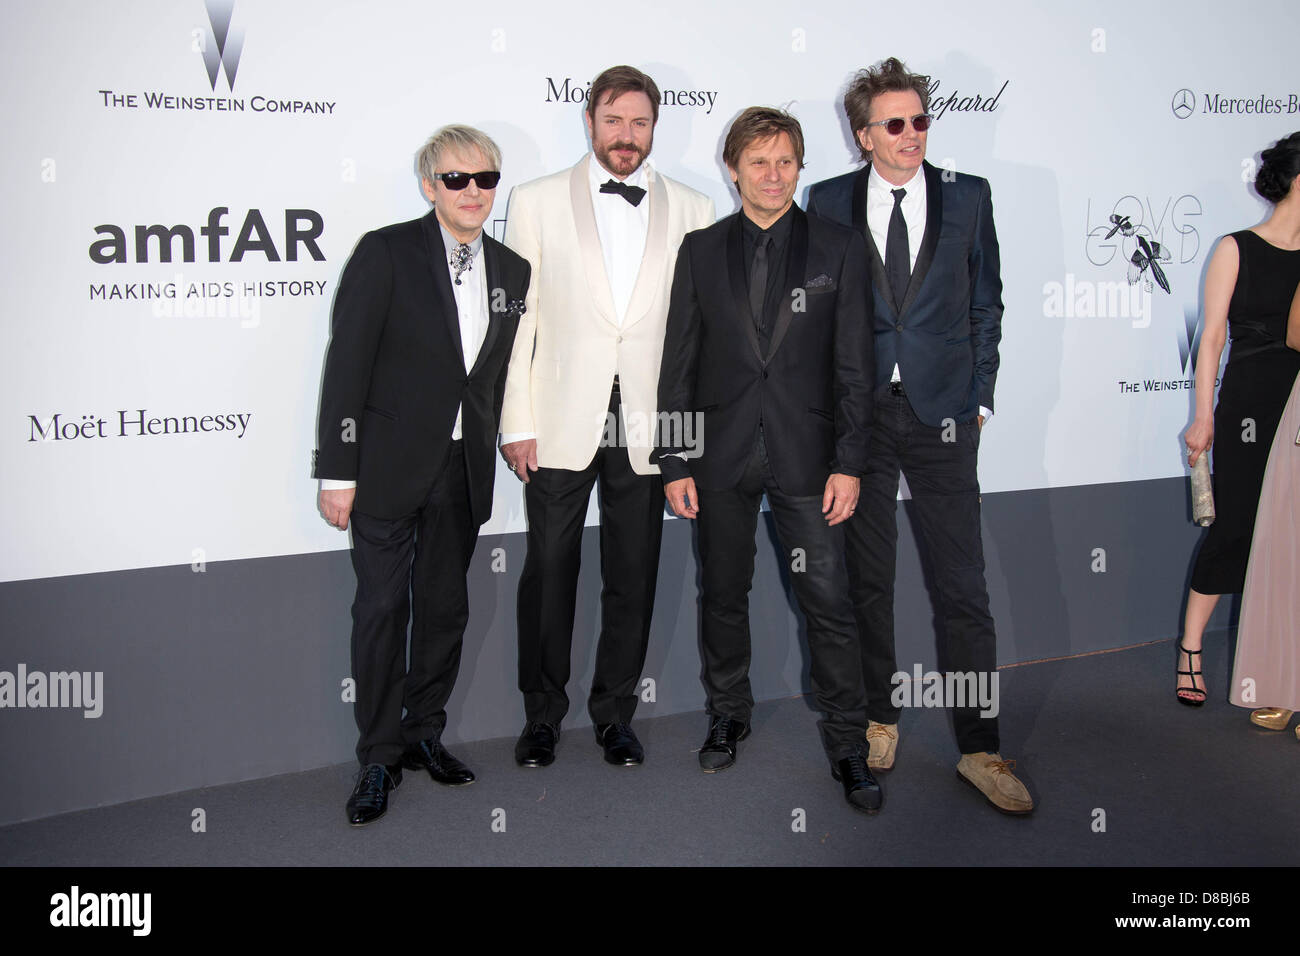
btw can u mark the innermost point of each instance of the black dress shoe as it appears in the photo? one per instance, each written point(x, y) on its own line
point(369, 798)
point(860, 787)
point(719, 750)
point(621, 746)
point(432, 756)
point(536, 746)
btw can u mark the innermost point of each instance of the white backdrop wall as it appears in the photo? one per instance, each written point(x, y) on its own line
point(295, 131)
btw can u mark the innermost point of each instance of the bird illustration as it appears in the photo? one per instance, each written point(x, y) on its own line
point(1149, 255)
point(1120, 224)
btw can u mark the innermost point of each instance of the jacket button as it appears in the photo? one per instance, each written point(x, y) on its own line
point(764, 373)
point(899, 327)
point(620, 339)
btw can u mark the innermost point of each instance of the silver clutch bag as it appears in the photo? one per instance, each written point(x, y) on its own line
point(1203, 492)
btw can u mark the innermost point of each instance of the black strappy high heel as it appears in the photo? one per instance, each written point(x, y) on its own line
point(1193, 673)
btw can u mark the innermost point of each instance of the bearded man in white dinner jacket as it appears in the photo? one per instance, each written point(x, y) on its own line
point(580, 394)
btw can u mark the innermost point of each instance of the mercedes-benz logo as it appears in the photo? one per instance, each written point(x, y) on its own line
point(1183, 104)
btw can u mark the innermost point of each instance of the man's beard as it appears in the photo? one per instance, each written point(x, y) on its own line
point(619, 165)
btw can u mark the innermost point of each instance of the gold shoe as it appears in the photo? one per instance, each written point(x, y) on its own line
point(1272, 718)
point(992, 776)
point(882, 739)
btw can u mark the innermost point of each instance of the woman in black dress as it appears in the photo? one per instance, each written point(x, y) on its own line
point(1251, 279)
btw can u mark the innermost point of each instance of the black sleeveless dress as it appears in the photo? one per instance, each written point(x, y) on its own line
point(1256, 385)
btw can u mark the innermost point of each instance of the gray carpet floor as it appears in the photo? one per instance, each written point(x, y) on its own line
point(1122, 776)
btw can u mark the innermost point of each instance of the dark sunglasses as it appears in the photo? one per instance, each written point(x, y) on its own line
point(458, 181)
point(896, 125)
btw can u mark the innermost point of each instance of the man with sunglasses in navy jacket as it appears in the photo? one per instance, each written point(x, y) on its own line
point(933, 253)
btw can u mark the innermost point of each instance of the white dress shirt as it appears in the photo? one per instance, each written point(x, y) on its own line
point(472, 308)
point(880, 207)
point(622, 229)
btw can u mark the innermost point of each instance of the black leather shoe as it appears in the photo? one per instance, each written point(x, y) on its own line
point(621, 746)
point(369, 798)
point(719, 749)
point(536, 746)
point(432, 756)
point(860, 787)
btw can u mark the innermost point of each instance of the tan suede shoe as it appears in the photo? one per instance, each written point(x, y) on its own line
point(992, 776)
point(883, 741)
point(1272, 718)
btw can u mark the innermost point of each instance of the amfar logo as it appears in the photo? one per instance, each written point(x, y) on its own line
point(302, 227)
point(1183, 104)
point(221, 47)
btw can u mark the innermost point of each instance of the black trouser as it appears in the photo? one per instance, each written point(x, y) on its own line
point(941, 475)
point(727, 524)
point(631, 526)
point(410, 568)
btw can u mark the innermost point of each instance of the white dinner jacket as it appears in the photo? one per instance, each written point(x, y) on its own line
point(570, 345)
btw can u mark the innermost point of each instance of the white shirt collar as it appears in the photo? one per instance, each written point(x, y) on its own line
point(450, 242)
point(877, 183)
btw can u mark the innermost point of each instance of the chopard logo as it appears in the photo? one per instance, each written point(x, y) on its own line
point(959, 102)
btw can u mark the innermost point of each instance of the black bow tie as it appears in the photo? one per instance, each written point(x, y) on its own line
point(633, 194)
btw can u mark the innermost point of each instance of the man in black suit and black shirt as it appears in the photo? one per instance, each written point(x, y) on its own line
point(424, 323)
point(769, 346)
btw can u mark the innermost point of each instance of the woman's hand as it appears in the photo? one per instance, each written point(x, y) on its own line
point(1198, 438)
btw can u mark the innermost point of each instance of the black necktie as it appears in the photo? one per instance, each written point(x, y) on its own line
point(898, 258)
point(758, 278)
point(633, 194)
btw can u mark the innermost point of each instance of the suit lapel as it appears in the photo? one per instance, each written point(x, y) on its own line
point(652, 260)
point(584, 218)
point(492, 274)
point(795, 266)
point(877, 262)
point(933, 226)
point(444, 299)
point(740, 285)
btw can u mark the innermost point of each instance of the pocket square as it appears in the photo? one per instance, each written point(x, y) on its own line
point(819, 283)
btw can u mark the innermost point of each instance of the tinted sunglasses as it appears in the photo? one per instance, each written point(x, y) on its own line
point(896, 125)
point(484, 180)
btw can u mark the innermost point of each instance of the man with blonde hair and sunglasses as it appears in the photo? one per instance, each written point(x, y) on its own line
point(933, 253)
point(423, 325)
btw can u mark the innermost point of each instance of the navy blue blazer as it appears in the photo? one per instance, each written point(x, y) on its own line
point(944, 335)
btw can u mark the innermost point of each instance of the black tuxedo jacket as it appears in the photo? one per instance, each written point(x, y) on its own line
point(395, 370)
point(944, 335)
point(813, 392)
